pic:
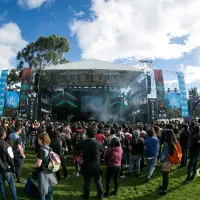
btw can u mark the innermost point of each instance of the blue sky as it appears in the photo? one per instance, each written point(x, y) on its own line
point(115, 31)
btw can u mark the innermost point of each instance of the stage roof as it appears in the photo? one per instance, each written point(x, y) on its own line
point(92, 73)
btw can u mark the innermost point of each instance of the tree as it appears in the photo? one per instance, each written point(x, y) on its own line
point(193, 100)
point(44, 52)
point(12, 79)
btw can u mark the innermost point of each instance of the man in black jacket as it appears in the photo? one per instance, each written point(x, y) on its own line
point(58, 145)
point(184, 142)
point(137, 147)
point(91, 163)
point(7, 167)
point(194, 149)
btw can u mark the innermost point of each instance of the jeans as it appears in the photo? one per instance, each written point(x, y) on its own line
point(112, 171)
point(50, 191)
point(9, 178)
point(98, 182)
point(18, 167)
point(192, 166)
point(133, 159)
point(184, 156)
point(151, 166)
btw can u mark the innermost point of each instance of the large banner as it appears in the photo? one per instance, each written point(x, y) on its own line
point(183, 94)
point(173, 100)
point(153, 109)
point(3, 79)
point(11, 99)
point(160, 90)
point(24, 92)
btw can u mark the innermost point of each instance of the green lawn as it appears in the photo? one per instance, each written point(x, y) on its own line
point(131, 188)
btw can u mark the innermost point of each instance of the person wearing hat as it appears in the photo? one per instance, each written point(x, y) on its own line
point(77, 154)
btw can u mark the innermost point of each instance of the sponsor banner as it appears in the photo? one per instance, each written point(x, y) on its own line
point(3, 79)
point(183, 94)
point(160, 90)
point(173, 100)
point(11, 99)
point(153, 109)
point(24, 93)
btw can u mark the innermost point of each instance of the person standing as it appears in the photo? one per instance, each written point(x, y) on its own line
point(7, 168)
point(46, 178)
point(151, 151)
point(58, 146)
point(91, 149)
point(137, 148)
point(113, 157)
point(168, 149)
point(15, 142)
point(194, 150)
point(184, 142)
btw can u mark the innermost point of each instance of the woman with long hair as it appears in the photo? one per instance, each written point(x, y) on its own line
point(113, 157)
point(46, 179)
point(168, 149)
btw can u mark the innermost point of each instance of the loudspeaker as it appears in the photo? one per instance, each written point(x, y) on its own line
point(148, 84)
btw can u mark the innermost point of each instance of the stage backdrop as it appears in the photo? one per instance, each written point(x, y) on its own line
point(173, 100)
point(11, 99)
point(183, 94)
point(160, 90)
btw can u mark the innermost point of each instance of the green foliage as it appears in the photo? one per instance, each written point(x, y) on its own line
point(44, 52)
point(193, 100)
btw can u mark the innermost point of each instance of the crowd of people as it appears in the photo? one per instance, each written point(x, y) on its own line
point(119, 146)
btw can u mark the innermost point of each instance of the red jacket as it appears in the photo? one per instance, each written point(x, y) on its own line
point(113, 157)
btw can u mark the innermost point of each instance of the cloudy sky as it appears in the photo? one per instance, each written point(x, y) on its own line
point(121, 31)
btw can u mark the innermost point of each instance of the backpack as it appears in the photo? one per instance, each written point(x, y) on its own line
point(176, 157)
point(54, 161)
point(31, 188)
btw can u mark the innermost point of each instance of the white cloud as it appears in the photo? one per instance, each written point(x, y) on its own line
point(171, 83)
point(11, 42)
point(78, 14)
point(32, 4)
point(132, 29)
point(192, 74)
point(3, 15)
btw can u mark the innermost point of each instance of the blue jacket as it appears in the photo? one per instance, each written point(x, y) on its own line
point(151, 147)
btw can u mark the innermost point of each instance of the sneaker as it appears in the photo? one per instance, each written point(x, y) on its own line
point(146, 180)
point(163, 192)
point(122, 177)
point(76, 174)
point(186, 182)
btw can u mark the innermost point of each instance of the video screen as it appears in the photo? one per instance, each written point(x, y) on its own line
point(91, 103)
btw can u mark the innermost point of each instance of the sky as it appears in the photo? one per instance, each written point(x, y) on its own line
point(121, 31)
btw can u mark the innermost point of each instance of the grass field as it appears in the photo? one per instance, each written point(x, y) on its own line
point(131, 188)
